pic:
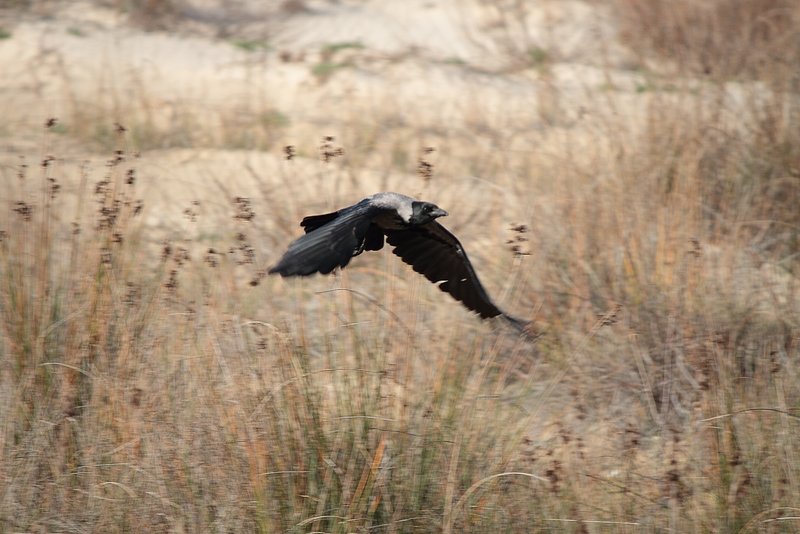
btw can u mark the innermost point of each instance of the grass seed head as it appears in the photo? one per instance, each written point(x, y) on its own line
point(328, 151)
point(24, 210)
point(244, 210)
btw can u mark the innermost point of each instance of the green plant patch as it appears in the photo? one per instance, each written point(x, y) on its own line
point(250, 45)
point(332, 48)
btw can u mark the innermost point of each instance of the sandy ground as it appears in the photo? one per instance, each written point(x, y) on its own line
point(426, 56)
point(442, 67)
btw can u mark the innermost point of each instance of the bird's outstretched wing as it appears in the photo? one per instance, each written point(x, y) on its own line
point(332, 239)
point(434, 252)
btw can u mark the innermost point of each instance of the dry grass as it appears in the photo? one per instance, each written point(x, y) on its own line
point(717, 38)
point(149, 387)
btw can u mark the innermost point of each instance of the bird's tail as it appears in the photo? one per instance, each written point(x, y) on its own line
point(523, 327)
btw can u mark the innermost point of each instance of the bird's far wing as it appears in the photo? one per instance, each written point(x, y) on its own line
point(329, 244)
point(312, 222)
point(436, 253)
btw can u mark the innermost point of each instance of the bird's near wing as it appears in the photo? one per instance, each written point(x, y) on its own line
point(331, 241)
point(436, 253)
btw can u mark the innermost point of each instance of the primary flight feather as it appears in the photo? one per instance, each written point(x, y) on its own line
point(408, 225)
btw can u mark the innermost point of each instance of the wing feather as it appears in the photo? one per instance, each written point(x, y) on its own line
point(332, 240)
point(312, 222)
point(434, 252)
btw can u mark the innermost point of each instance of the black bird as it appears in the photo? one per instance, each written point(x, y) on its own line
point(410, 226)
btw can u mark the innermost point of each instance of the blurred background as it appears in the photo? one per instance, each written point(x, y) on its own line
point(623, 173)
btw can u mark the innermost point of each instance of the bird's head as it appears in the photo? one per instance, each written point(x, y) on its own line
point(424, 212)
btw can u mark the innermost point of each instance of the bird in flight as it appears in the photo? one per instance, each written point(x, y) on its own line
point(408, 225)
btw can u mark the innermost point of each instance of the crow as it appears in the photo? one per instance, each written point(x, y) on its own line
point(410, 226)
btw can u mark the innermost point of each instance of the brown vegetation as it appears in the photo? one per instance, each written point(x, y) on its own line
point(150, 385)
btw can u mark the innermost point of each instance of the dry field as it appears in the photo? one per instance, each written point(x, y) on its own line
point(624, 173)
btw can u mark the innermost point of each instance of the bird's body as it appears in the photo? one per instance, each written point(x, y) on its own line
point(408, 225)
